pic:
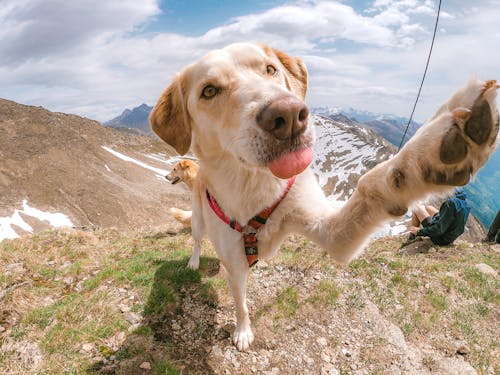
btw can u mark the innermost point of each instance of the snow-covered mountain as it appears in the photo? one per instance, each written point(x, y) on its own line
point(59, 169)
point(389, 126)
point(343, 153)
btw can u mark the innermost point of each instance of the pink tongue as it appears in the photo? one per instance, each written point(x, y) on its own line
point(291, 164)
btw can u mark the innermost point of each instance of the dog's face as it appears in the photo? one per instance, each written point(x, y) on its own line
point(245, 101)
point(180, 171)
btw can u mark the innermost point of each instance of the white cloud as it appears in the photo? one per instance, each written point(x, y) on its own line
point(92, 57)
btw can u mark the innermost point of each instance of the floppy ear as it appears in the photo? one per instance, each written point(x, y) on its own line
point(297, 72)
point(169, 118)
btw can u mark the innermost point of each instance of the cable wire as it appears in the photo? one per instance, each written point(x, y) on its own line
point(423, 77)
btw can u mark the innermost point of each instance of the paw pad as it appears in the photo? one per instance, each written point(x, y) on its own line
point(480, 123)
point(453, 147)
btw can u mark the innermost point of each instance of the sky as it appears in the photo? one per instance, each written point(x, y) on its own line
point(97, 57)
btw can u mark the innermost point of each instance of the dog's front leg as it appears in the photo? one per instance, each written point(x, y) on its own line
point(445, 152)
point(229, 247)
point(237, 279)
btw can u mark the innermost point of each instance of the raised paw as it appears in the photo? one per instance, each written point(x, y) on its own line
point(459, 138)
point(243, 337)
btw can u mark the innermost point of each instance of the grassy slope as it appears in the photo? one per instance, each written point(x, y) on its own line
point(76, 299)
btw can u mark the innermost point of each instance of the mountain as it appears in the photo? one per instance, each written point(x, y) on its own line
point(343, 152)
point(389, 126)
point(59, 169)
point(136, 119)
point(56, 163)
point(483, 192)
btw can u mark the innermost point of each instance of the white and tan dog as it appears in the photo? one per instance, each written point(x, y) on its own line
point(241, 110)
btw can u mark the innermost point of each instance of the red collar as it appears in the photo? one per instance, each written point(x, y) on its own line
point(249, 230)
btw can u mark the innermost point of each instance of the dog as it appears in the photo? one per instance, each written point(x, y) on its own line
point(241, 110)
point(183, 171)
point(186, 171)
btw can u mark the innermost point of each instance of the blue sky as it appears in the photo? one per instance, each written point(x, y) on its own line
point(98, 57)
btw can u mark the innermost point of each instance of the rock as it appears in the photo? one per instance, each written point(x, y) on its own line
point(325, 357)
point(87, 347)
point(145, 366)
point(15, 267)
point(124, 308)
point(217, 351)
point(454, 366)
point(321, 341)
point(421, 246)
point(309, 360)
point(346, 352)
point(486, 270)
point(176, 326)
point(133, 327)
point(235, 363)
point(132, 317)
point(273, 371)
point(2, 329)
point(329, 370)
point(463, 349)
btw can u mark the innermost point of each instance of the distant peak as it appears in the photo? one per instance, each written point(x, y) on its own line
point(143, 107)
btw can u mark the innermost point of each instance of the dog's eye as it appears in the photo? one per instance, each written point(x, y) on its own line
point(271, 70)
point(175, 169)
point(209, 92)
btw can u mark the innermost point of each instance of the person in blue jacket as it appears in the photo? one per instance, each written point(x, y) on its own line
point(443, 226)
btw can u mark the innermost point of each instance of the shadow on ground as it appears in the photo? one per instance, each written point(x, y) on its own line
point(178, 327)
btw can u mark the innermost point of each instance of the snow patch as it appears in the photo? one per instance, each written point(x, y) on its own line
point(158, 171)
point(54, 219)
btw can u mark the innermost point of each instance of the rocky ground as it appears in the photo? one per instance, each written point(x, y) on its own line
point(114, 303)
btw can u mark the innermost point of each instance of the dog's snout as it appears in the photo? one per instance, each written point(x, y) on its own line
point(284, 117)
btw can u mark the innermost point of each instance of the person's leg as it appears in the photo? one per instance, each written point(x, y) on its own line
point(414, 219)
point(494, 229)
point(431, 210)
point(422, 213)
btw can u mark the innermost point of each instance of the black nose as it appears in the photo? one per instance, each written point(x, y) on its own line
point(284, 117)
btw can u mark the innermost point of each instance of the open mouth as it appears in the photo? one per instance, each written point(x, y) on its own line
point(175, 180)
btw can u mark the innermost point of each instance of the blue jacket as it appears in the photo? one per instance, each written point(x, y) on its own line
point(450, 222)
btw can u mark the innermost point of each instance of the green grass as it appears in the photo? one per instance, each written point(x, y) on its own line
point(437, 300)
point(326, 294)
point(288, 302)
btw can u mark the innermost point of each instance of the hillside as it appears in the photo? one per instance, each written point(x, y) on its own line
point(60, 163)
point(104, 302)
point(62, 169)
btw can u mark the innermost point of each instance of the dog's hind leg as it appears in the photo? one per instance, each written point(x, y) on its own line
point(197, 231)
